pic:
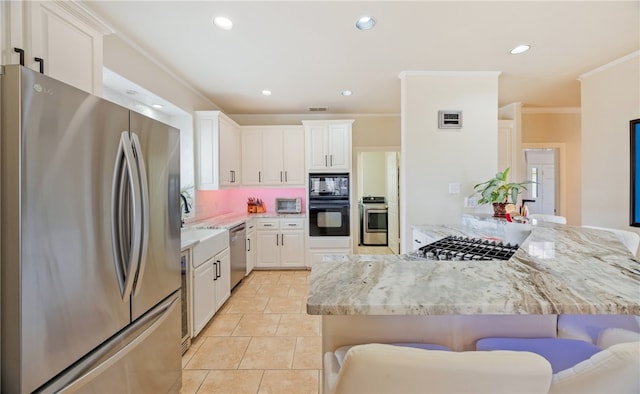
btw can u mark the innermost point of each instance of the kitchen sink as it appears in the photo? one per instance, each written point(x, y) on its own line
point(209, 243)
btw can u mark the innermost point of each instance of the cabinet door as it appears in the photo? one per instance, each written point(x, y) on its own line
point(293, 156)
point(251, 156)
point(419, 239)
point(203, 296)
point(228, 156)
point(272, 156)
point(11, 19)
point(292, 249)
point(317, 158)
point(339, 150)
point(251, 249)
point(223, 277)
point(70, 48)
point(268, 249)
point(207, 148)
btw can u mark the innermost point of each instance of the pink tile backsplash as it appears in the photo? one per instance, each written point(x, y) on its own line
point(219, 202)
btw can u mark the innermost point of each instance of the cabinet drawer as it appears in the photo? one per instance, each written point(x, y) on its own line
point(291, 224)
point(268, 224)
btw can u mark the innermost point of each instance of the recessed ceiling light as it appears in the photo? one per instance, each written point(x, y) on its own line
point(346, 93)
point(157, 106)
point(365, 23)
point(266, 92)
point(223, 22)
point(520, 49)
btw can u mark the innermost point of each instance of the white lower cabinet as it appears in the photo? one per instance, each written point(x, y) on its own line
point(280, 243)
point(210, 288)
point(419, 239)
point(251, 246)
point(204, 296)
point(324, 249)
point(222, 265)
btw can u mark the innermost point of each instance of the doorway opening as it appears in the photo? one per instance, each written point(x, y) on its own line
point(547, 163)
point(376, 171)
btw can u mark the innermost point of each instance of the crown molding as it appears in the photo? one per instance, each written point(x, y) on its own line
point(551, 110)
point(609, 65)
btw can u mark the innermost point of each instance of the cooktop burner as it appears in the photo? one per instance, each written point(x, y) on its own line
point(462, 248)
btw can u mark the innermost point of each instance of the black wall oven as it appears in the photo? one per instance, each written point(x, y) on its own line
point(329, 205)
point(329, 218)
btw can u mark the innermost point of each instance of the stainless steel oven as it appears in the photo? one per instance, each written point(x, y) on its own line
point(329, 218)
point(373, 221)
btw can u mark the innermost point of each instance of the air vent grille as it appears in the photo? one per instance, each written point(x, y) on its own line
point(449, 119)
point(318, 109)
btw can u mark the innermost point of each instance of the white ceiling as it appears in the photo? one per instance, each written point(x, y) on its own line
point(306, 52)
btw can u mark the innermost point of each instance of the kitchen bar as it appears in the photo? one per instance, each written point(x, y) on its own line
point(557, 269)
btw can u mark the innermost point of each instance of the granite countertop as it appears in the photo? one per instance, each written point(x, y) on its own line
point(230, 220)
point(557, 269)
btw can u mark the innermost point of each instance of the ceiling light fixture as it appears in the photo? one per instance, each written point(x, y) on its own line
point(346, 93)
point(223, 22)
point(157, 106)
point(266, 92)
point(520, 49)
point(365, 23)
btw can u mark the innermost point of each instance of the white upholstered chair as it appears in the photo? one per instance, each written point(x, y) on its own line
point(613, 336)
point(590, 327)
point(630, 239)
point(378, 368)
point(613, 370)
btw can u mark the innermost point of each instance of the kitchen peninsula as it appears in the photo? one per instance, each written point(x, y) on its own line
point(558, 269)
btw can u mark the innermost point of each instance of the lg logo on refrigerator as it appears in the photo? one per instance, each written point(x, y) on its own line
point(40, 89)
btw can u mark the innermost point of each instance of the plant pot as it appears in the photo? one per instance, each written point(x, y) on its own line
point(499, 209)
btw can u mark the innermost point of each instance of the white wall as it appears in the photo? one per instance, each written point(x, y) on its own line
point(373, 174)
point(432, 158)
point(610, 99)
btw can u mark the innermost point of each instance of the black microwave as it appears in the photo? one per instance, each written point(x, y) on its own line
point(328, 186)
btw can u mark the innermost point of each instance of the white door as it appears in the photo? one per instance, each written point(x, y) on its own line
point(393, 220)
point(541, 169)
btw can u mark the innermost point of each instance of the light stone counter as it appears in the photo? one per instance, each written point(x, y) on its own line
point(557, 269)
point(230, 220)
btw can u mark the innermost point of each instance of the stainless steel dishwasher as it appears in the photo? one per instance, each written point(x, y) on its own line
point(238, 251)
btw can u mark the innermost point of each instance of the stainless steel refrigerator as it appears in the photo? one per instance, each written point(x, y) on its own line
point(90, 230)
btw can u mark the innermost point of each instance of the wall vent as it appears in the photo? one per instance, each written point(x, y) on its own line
point(318, 109)
point(448, 119)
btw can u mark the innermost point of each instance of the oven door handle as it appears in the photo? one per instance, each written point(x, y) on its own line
point(329, 206)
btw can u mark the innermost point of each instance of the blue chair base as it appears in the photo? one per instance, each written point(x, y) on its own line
point(560, 352)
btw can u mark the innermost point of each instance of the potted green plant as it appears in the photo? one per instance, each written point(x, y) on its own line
point(499, 192)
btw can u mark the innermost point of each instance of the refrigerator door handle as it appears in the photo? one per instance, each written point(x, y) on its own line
point(126, 243)
point(120, 347)
point(144, 190)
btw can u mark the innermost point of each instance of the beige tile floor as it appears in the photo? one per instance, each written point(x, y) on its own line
point(261, 341)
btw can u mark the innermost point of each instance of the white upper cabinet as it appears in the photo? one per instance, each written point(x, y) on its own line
point(57, 37)
point(273, 155)
point(218, 151)
point(328, 145)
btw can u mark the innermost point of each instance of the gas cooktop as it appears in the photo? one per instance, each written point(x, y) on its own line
point(455, 248)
